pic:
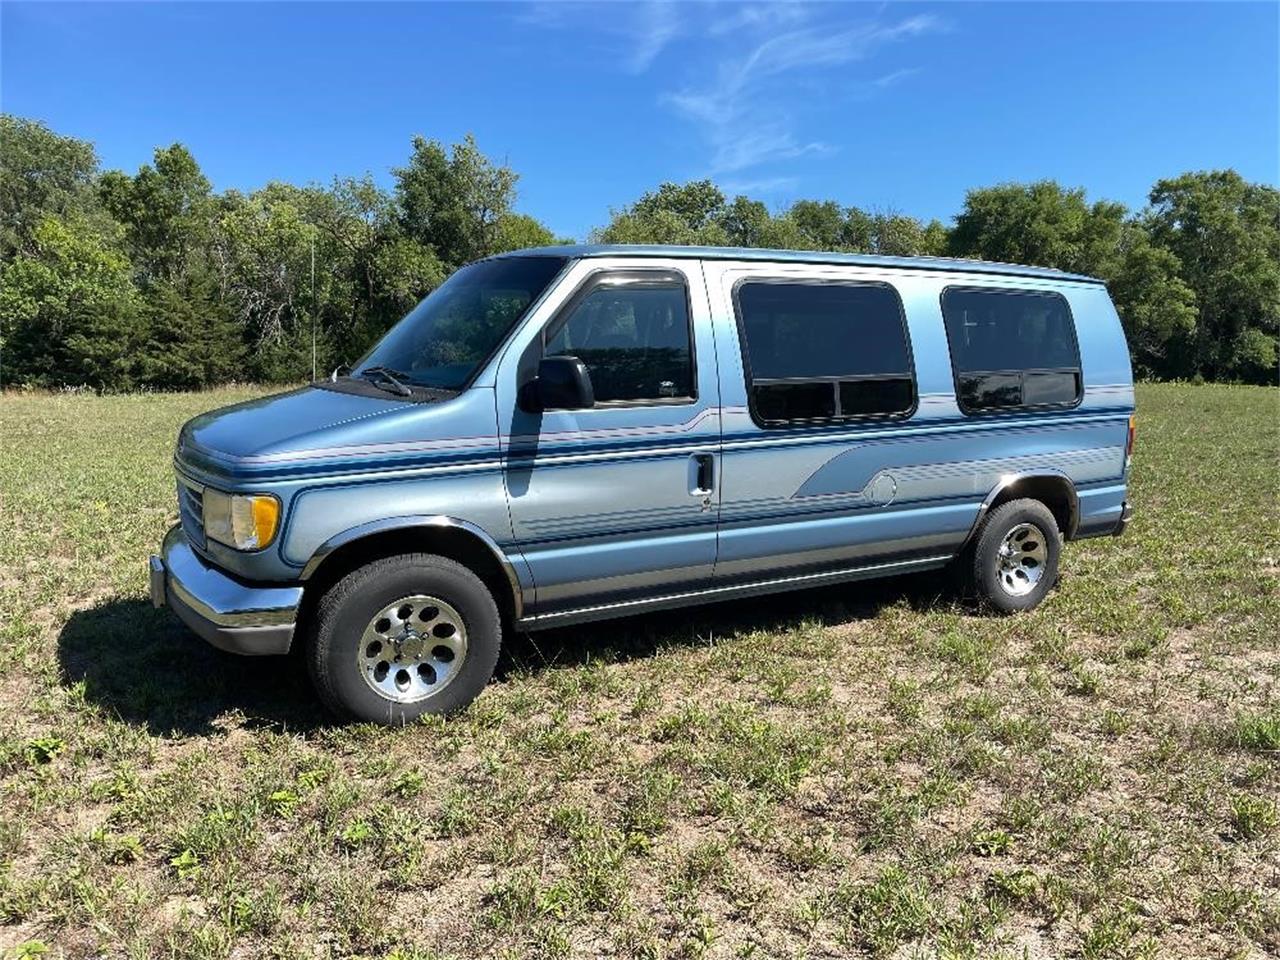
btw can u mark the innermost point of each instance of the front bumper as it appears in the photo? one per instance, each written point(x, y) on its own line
point(232, 615)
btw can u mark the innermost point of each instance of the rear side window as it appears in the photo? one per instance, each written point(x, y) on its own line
point(1011, 348)
point(819, 352)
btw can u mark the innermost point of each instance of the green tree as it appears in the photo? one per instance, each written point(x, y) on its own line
point(167, 211)
point(454, 202)
point(376, 270)
point(1225, 234)
point(699, 205)
point(697, 213)
point(42, 174)
point(820, 225)
point(747, 223)
point(1157, 308)
point(68, 313)
point(898, 235)
point(935, 239)
point(690, 214)
point(519, 231)
point(263, 251)
point(192, 340)
point(1039, 223)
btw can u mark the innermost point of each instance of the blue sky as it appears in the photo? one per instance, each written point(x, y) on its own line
point(887, 106)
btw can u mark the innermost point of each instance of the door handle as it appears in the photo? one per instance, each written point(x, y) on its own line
point(703, 474)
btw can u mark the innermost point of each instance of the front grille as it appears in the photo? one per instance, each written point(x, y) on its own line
point(191, 511)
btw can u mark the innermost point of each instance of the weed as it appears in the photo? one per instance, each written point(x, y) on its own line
point(1117, 935)
point(44, 749)
point(1252, 817)
point(1013, 885)
point(1258, 731)
point(283, 802)
point(408, 785)
point(990, 843)
point(892, 910)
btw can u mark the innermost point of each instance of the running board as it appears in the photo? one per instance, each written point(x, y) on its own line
point(627, 608)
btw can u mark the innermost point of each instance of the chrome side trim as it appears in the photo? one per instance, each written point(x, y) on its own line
point(1005, 482)
point(420, 522)
point(712, 594)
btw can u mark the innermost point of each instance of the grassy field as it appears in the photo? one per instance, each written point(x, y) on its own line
point(873, 769)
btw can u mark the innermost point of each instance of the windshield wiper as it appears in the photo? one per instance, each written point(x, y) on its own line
point(386, 378)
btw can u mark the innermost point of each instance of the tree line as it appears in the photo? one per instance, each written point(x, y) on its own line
point(123, 281)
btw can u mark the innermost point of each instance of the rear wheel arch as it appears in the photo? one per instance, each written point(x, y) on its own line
point(1055, 490)
point(456, 540)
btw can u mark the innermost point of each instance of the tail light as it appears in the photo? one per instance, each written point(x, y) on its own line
point(1128, 447)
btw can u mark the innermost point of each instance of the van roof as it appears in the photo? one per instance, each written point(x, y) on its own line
point(941, 264)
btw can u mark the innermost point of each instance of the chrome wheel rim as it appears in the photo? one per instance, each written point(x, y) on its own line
point(412, 649)
point(1021, 560)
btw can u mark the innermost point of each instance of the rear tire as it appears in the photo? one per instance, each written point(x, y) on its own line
point(402, 637)
point(1015, 556)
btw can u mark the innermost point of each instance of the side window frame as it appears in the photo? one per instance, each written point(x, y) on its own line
point(639, 276)
point(1021, 373)
point(837, 419)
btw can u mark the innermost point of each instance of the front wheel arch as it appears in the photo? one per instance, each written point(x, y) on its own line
point(453, 539)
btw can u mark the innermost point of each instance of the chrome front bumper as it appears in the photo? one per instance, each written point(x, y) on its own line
point(228, 613)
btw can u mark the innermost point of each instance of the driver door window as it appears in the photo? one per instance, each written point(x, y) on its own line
point(633, 336)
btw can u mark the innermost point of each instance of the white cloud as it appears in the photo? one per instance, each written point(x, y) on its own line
point(637, 33)
point(897, 76)
point(756, 16)
point(734, 151)
point(655, 25)
point(745, 110)
point(762, 65)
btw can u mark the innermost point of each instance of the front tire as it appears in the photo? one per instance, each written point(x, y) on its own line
point(1015, 558)
point(402, 637)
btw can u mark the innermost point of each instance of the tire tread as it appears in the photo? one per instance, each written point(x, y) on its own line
point(992, 530)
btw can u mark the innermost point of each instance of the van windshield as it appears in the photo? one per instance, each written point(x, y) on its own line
point(442, 342)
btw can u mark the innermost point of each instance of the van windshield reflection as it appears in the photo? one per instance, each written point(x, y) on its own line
point(442, 342)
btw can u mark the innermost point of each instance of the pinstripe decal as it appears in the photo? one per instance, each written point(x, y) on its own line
point(483, 453)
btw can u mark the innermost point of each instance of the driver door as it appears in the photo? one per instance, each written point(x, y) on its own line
point(617, 502)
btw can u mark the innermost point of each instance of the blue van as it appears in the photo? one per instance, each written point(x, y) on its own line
point(573, 433)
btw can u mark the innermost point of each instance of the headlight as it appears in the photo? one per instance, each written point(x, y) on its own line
point(241, 521)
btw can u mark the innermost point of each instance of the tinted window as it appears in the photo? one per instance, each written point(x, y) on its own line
point(1050, 387)
point(985, 391)
point(795, 401)
point(1011, 348)
point(442, 340)
point(823, 351)
point(862, 397)
point(633, 338)
point(808, 330)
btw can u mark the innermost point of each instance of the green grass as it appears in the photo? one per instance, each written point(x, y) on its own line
point(874, 769)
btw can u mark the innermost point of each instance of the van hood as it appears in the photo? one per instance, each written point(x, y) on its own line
point(311, 428)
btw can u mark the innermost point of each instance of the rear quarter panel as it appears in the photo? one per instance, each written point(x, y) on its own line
point(811, 497)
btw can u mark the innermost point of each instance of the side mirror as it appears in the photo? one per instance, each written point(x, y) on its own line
point(562, 384)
